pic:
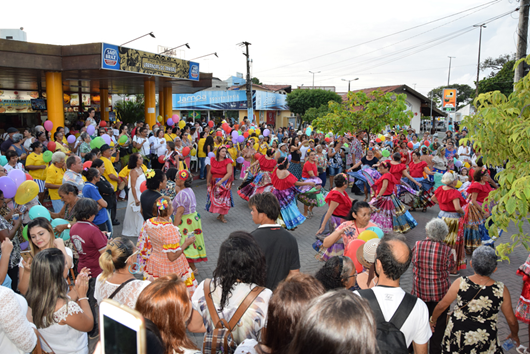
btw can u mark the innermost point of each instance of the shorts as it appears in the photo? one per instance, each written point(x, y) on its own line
point(333, 171)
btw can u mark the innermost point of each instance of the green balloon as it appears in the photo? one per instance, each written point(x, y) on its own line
point(47, 156)
point(3, 160)
point(25, 233)
point(122, 140)
point(385, 153)
point(346, 145)
point(97, 142)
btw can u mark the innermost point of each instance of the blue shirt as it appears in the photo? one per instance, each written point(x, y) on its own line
point(92, 192)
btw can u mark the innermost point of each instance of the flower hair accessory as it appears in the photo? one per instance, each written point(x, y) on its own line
point(162, 204)
point(149, 174)
point(183, 175)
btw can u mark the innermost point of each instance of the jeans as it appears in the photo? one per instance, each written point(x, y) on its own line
point(202, 167)
point(57, 205)
point(109, 222)
point(323, 176)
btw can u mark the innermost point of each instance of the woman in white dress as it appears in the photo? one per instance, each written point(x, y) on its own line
point(118, 265)
point(61, 319)
point(133, 222)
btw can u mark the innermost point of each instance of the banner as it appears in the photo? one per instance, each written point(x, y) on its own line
point(269, 101)
point(449, 100)
point(211, 100)
point(16, 101)
point(137, 61)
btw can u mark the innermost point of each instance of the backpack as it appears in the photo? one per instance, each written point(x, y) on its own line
point(220, 340)
point(389, 337)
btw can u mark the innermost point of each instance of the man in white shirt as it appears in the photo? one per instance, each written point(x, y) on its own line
point(393, 257)
point(141, 142)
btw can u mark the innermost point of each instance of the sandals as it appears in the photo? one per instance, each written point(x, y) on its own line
point(522, 350)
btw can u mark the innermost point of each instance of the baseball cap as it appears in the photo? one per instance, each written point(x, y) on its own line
point(11, 130)
point(104, 147)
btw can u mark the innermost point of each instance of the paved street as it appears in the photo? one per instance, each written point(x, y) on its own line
point(239, 219)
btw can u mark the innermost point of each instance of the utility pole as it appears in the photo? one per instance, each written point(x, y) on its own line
point(449, 74)
point(522, 38)
point(479, 44)
point(349, 82)
point(250, 108)
point(314, 72)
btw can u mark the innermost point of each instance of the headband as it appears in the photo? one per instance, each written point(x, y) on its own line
point(183, 175)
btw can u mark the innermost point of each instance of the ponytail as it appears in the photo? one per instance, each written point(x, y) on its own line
point(115, 257)
point(106, 264)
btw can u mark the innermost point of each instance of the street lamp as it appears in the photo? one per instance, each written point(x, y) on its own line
point(148, 34)
point(206, 56)
point(182, 45)
point(350, 81)
point(479, 44)
point(449, 74)
point(314, 72)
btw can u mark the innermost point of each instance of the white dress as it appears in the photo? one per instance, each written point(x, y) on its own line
point(64, 339)
point(17, 334)
point(126, 296)
point(133, 221)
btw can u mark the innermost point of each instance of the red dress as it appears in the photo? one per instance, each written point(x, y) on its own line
point(445, 199)
point(283, 184)
point(219, 199)
point(266, 165)
point(416, 169)
point(397, 171)
point(342, 199)
point(483, 190)
point(309, 166)
point(392, 181)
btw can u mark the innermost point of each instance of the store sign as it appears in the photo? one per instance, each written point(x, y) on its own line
point(16, 101)
point(211, 100)
point(137, 61)
point(449, 100)
point(270, 101)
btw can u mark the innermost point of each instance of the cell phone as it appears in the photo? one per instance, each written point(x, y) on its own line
point(26, 256)
point(122, 329)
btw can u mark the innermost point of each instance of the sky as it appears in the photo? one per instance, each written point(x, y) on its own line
point(351, 39)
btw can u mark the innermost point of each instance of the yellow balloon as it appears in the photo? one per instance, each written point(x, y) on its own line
point(182, 124)
point(382, 138)
point(467, 165)
point(26, 192)
point(367, 235)
point(193, 152)
point(251, 131)
point(160, 119)
point(458, 184)
point(258, 131)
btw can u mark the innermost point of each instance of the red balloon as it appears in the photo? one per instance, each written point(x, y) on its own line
point(143, 187)
point(377, 140)
point(161, 159)
point(426, 143)
point(257, 156)
point(245, 134)
point(410, 145)
point(327, 140)
point(351, 252)
point(28, 177)
point(219, 134)
point(87, 165)
point(52, 146)
point(186, 151)
point(210, 123)
point(103, 124)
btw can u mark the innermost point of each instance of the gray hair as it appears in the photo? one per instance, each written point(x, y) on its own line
point(58, 156)
point(436, 229)
point(484, 261)
point(84, 135)
point(448, 178)
point(17, 137)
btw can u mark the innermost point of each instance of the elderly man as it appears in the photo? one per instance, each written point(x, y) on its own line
point(9, 141)
point(74, 167)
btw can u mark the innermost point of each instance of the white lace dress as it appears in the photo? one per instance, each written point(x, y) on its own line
point(133, 222)
point(17, 334)
point(126, 296)
point(62, 338)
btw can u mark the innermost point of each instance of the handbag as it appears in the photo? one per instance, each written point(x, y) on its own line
point(38, 347)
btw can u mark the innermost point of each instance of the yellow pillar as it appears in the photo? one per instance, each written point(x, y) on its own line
point(54, 96)
point(161, 106)
point(104, 104)
point(168, 103)
point(150, 102)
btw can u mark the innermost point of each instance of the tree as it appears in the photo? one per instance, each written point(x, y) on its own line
point(500, 132)
point(501, 81)
point(131, 111)
point(464, 94)
point(497, 63)
point(299, 101)
point(313, 113)
point(256, 81)
point(361, 112)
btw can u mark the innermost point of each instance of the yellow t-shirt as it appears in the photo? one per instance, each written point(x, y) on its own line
point(64, 140)
point(263, 149)
point(233, 155)
point(110, 170)
point(59, 147)
point(124, 173)
point(36, 160)
point(170, 137)
point(200, 148)
point(54, 175)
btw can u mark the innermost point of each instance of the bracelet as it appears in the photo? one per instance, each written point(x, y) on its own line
point(431, 321)
point(82, 298)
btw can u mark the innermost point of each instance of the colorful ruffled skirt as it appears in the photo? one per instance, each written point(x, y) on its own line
point(289, 211)
point(474, 229)
point(244, 167)
point(365, 178)
point(424, 199)
point(454, 239)
point(219, 198)
point(312, 196)
point(190, 224)
point(406, 194)
point(337, 249)
point(391, 214)
point(296, 170)
point(522, 311)
point(262, 183)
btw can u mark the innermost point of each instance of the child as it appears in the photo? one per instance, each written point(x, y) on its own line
point(522, 311)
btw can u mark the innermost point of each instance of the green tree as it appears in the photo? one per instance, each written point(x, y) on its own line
point(299, 101)
point(256, 81)
point(464, 94)
point(361, 112)
point(501, 81)
point(500, 132)
point(131, 111)
point(313, 113)
point(496, 64)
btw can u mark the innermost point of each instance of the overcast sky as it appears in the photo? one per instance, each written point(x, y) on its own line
point(286, 35)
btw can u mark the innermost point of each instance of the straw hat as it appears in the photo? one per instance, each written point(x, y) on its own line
point(366, 253)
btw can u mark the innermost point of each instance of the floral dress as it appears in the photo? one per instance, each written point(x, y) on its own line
point(472, 328)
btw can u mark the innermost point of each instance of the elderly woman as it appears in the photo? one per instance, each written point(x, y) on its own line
point(337, 273)
point(84, 147)
point(439, 161)
point(451, 202)
point(472, 327)
point(54, 179)
point(432, 260)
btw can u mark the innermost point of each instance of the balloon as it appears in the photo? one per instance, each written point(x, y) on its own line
point(257, 155)
point(382, 137)
point(28, 177)
point(454, 160)
point(122, 140)
point(426, 143)
point(240, 139)
point(47, 156)
point(458, 163)
point(210, 124)
point(240, 159)
point(87, 165)
point(90, 130)
point(219, 134)
point(351, 252)
point(71, 139)
point(38, 211)
point(458, 184)
point(17, 176)
point(52, 146)
point(170, 122)
point(327, 140)
point(97, 142)
point(103, 124)
point(234, 135)
point(367, 235)
point(25, 233)
point(161, 158)
point(8, 186)
point(211, 155)
point(250, 131)
point(106, 138)
point(377, 140)
point(258, 131)
point(410, 145)
point(143, 186)
point(186, 151)
point(48, 125)
point(175, 118)
point(385, 153)
point(160, 118)
point(467, 165)
point(193, 152)
point(289, 157)
point(377, 230)
point(182, 124)
point(245, 135)
point(266, 132)
point(346, 145)
point(3, 160)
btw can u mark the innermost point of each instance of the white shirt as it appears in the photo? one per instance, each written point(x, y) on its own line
point(17, 334)
point(145, 149)
point(159, 145)
point(152, 144)
point(303, 151)
point(416, 327)
point(126, 296)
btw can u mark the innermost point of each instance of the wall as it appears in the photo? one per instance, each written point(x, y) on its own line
point(414, 105)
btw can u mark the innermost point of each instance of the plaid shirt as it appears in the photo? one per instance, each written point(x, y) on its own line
point(432, 262)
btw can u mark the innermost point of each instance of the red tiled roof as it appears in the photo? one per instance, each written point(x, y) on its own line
point(278, 87)
point(237, 87)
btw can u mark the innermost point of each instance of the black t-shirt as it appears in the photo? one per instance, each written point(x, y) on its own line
point(281, 253)
point(371, 162)
point(147, 200)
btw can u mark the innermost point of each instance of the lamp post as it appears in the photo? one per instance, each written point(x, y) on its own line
point(449, 74)
point(202, 56)
point(479, 45)
point(350, 81)
point(314, 72)
point(148, 34)
point(182, 45)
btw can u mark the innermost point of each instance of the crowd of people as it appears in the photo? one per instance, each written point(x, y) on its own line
point(60, 257)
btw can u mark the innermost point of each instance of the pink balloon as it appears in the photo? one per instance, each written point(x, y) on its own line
point(48, 125)
point(176, 118)
point(106, 137)
point(71, 139)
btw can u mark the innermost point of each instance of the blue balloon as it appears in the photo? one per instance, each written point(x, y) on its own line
point(377, 230)
point(3, 160)
point(38, 211)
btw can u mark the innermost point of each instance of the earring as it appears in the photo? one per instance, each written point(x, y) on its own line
point(136, 268)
